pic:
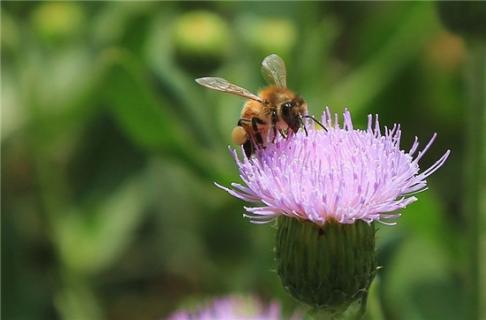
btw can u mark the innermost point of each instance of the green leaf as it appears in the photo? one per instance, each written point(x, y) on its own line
point(147, 119)
point(425, 218)
point(136, 108)
point(360, 87)
point(186, 93)
point(418, 283)
point(89, 242)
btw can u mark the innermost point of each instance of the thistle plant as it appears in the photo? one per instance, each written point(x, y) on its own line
point(327, 189)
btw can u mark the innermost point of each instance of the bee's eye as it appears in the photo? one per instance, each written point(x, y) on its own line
point(287, 105)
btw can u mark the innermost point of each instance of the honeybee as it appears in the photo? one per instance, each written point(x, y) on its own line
point(275, 109)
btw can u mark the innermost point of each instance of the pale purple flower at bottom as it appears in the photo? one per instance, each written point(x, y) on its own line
point(340, 174)
point(232, 308)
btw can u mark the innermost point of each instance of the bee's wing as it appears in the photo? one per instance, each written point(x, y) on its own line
point(221, 84)
point(274, 71)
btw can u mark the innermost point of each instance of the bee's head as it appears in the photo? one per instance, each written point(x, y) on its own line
point(292, 112)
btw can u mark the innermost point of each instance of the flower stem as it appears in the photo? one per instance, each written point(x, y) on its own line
point(375, 310)
point(316, 314)
point(355, 311)
point(475, 178)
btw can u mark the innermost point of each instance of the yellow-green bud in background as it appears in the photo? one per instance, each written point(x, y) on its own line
point(327, 267)
point(10, 33)
point(201, 40)
point(57, 21)
point(267, 35)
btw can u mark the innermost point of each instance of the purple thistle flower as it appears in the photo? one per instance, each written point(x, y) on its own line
point(342, 174)
point(233, 307)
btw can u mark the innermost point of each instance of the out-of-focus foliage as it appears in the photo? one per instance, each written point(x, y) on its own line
point(110, 149)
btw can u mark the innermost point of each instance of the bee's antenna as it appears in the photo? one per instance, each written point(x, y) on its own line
point(303, 125)
point(315, 120)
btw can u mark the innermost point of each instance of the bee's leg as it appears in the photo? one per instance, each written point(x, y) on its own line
point(274, 125)
point(250, 122)
point(259, 139)
point(249, 143)
point(282, 133)
point(258, 136)
point(241, 121)
point(303, 126)
point(305, 130)
point(248, 148)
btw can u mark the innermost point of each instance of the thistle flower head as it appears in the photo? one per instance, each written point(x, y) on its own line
point(340, 174)
point(232, 307)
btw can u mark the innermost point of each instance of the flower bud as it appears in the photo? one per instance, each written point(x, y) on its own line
point(267, 35)
point(201, 40)
point(58, 21)
point(328, 267)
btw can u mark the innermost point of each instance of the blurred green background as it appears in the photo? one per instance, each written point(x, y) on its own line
point(110, 149)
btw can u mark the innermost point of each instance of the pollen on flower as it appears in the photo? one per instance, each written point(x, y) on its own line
point(341, 174)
